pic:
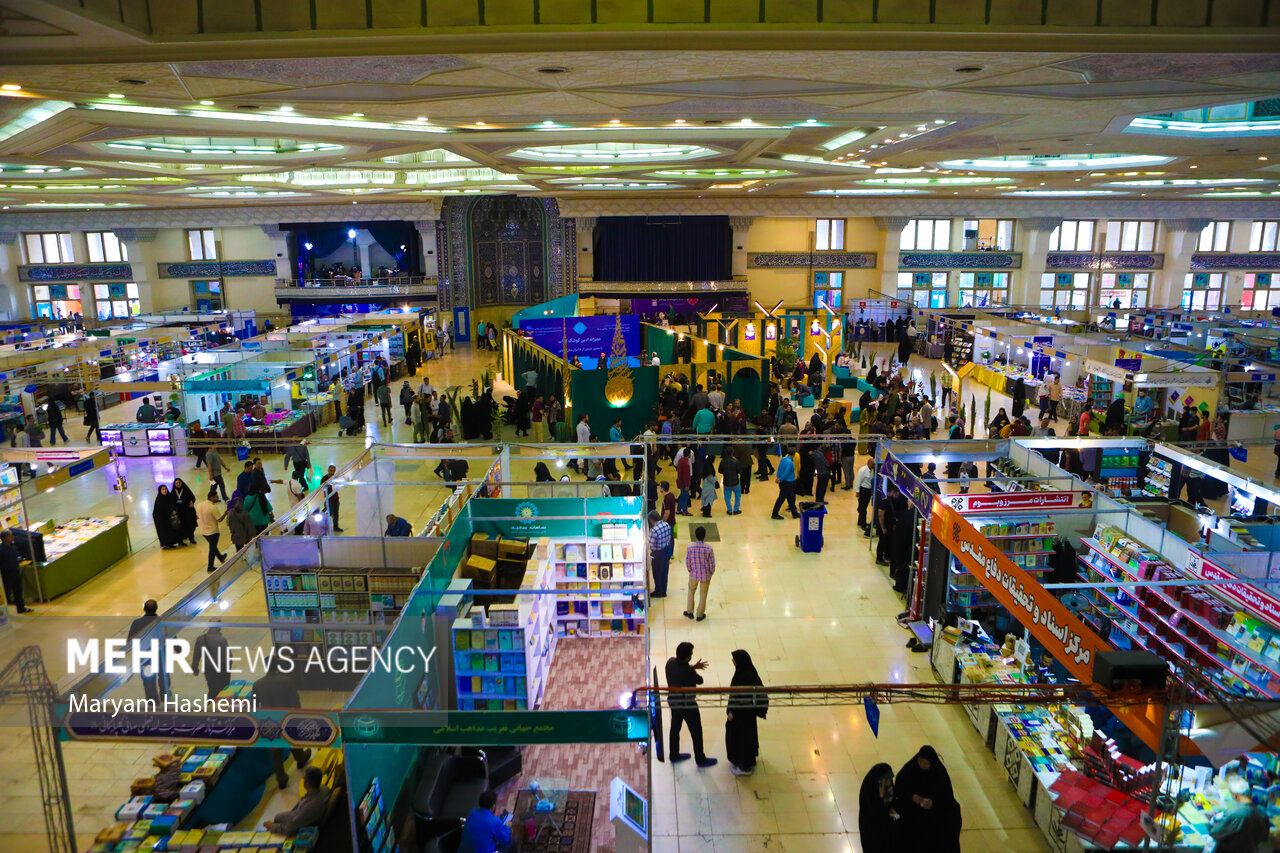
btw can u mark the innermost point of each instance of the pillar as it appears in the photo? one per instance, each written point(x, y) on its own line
point(586, 228)
point(280, 251)
point(363, 241)
point(892, 226)
point(17, 305)
point(140, 243)
point(741, 225)
point(1182, 238)
point(427, 240)
point(1237, 243)
point(1024, 283)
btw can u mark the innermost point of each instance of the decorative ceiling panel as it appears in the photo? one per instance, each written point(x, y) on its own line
point(317, 71)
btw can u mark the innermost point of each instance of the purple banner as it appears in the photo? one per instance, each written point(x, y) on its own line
point(587, 336)
point(688, 308)
point(1130, 364)
point(909, 484)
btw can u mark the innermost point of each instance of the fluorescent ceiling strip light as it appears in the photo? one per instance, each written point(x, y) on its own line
point(272, 118)
point(29, 118)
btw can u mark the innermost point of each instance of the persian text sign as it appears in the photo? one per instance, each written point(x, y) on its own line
point(909, 484)
point(1000, 502)
point(1063, 634)
point(1249, 597)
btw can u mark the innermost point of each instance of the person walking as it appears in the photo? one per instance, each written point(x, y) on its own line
point(91, 415)
point(865, 483)
point(877, 818)
point(742, 715)
point(240, 525)
point(700, 560)
point(681, 672)
point(707, 489)
point(54, 413)
point(536, 416)
point(384, 403)
point(924, 798)
point(277, 689)
point(406, 400)
point(848, 459)
point(259, 509)
point(684, 479)
point(661, 546)
point(214, 461)
point(616, 437)
point(167, 519)
point(10, 573)
point(821, 472)
point(732, 482)
point(210, 654)
point(153, 685)
point(331, 496)
point(207, 520)
point(299, 456)
point(786, 479)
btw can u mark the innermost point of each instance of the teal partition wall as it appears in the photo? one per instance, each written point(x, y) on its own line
point(657, 339)
point(564, 306)
point(550, 378)
point(589, 399)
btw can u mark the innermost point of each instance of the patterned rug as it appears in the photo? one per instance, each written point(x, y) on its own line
point(713, 530)
point(575, 820)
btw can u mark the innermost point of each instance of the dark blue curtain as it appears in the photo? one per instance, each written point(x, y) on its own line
point(677, 248)
point(391, 236)
point(324, 240)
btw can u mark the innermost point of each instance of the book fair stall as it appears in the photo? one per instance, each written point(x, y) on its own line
point(512, 643)
point(1066, 585)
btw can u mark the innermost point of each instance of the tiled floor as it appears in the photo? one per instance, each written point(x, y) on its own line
point(823, 618)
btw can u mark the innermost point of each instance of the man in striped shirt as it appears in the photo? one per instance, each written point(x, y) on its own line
point(700, 560)
point(661, 546)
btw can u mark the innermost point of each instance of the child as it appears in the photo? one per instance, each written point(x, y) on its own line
point(709, 486)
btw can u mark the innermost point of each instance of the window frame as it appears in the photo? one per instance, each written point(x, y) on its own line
point(1217, 287)
point(990, 291)
point(36, 301)
point(117, 309)
point(1258, 235)
point(1218, 235)
point(1140, 233)
point(208, 244)
point(59, 240)
point(825, 231)
point(1251, 290)
point(1000, 225)
point(1137, 295)
point(106, 240)
point(937, 225)
point(195, 295)
point(925, 296)
point(1077, 298)
point(1055, 236)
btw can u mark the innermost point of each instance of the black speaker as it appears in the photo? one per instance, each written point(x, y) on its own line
point(684, 350)
point(1116, 670)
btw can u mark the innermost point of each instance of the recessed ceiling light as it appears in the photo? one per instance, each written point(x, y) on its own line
point(358, 115)
point(286, 109)
point(939, 121)
point(11, 87)
point(115, 95)
point(1262, 158)
point(552, 69)
point(746, 121)
point(206, 103)
point(968, 69)
point(679, 121)
point(1193, 167)
point(479, 124)
point(132, 81)
point(420, 118)
point(615, 121)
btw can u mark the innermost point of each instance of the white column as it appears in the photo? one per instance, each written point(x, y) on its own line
point(140, 243)
point(364, 240)
point(427, 239)
point(1238, 243)
point(892, 227)
point(741, 225)
point(18, 303)
point(280, 250)
point(1024, 283)
point(586, 230)
point(1182, 237)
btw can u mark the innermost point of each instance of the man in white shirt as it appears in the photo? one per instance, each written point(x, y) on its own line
point(715, 398)
point(655, 361)
point(865, 483)
point(425, 389)
point(207, 519)
point(583, 433)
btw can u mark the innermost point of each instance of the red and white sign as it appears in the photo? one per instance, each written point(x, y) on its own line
point(1004, 501)
point(1249, 597)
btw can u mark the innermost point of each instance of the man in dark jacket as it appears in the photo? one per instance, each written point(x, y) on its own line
point(684, 708)
point(54, 411)
point(10, 573)
point(276, 689)
point(152, 685)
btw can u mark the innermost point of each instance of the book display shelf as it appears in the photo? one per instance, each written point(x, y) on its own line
point(1026, 540)
point(597, 565)
point(335, 607)
point(502, 654)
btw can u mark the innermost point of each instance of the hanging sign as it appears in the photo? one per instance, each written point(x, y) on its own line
point(1002, 502)
point(1251, 598)
point(1059, 630)
point(873, 715)
point(920, 495)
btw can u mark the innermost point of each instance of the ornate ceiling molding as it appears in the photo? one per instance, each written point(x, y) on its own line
point(1192, 225)
point(892, 223)
point(136, 235)
point(8, 237)
point(1041, 223)
point(214, 217)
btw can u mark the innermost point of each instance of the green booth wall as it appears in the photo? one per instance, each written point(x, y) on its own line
point(656, 339)
point(589, 399)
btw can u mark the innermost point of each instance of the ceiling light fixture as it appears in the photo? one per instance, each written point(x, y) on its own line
point(116, 95)
point(358, 115)
point(615, 121)
point(479, 124)
point(10, 87)
point(206, 103)
point(552, 69)
point(286, 109)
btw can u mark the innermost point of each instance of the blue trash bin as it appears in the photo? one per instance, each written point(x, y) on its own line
point(811, 516)
point(242, 453)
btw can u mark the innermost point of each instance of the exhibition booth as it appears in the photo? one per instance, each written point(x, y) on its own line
point(512, 672)
point(1043, 583)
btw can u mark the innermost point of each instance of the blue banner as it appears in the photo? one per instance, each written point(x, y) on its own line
point(587, 336)
point(229, 386)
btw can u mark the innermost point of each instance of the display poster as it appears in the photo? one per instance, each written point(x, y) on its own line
point(920, 495)
point(1130, 364)
point(1251, 598)
point(1003, 502)
point(587, 337)
point(1059, 630)
point(257, 728)
point(486, 728)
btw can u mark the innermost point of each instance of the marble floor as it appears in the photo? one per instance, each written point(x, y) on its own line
point(823, 618)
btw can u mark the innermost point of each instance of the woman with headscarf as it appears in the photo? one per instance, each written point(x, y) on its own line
point(521, 409)
point(186, 504)
point(999, 422)
point(741, 740)
point(542, 474)
point(1019, 395)
point(923, 797)
point(167, 519)
point(467, 415)
point(877, 819)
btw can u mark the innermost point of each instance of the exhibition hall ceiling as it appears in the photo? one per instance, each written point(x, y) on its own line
point(304, 126)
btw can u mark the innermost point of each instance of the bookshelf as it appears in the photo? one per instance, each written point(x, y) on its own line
point(1027, 541)
point(335, 607)
point(1159, 475)
point(502, 654)
point(589, 565)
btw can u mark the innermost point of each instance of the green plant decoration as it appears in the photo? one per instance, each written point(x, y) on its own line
point(865, 366)
point(986, 409)
point(973, 416)
point(785, 353)
point(933, 384)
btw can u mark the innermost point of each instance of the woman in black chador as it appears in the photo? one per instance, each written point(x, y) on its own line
point(930, 814)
